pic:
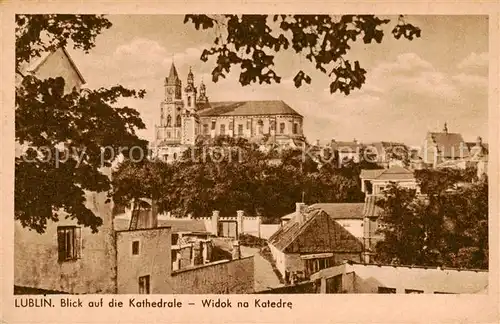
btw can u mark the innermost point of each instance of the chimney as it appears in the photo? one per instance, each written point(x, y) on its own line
point(154, 214)
point(236, 252)
point(215, 222)
point(239, 219)
point(300, 210)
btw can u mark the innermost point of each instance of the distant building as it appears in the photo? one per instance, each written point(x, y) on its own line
point(442, 146)
point(387, 154)
point(186, 114)
point(347, 151)
point(312, 240)
point(353, 278)
point(478, 157)
point(374, 182)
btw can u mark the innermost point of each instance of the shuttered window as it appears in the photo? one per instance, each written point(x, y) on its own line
point(69, 240)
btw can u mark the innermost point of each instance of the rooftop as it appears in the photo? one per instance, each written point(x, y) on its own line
point(395, 172)
point(246, 108)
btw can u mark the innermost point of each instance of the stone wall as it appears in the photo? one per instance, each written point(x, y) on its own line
point(223, 277)
point(36, 263)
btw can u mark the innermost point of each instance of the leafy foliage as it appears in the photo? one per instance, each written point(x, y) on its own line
point(68, 139)
point(251, 41)
point(446, 227)
point(228, 174)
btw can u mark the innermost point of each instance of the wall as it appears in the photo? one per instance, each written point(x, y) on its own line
point(222, 277)
point(36, 262)
point(279, 259)
point(251, 225)
point(266, 230)
point(153, 260)
point(365, 278)
point(370, 277)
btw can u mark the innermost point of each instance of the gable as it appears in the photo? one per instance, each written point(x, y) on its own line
point(58, 64)
point(323, 234)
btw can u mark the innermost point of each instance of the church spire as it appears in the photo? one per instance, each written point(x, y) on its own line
point(173, 76)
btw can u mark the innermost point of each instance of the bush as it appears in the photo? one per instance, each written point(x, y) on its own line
point(252, 241)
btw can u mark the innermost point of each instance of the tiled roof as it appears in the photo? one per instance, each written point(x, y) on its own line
point(393, 173)
point(319, 233)
point(370, 209)
point(341, 210)
point(450, 145)
point(247, 108)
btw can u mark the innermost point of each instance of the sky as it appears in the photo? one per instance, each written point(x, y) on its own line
point(412, 87)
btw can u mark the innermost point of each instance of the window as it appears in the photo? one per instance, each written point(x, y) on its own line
point(69, 242)
point(249, 123)
point(169, 121)
point(178, 121)
point(135, 247)
point(213, 124)
point(175, 156)
point(205, 129)
point(144, 285)
point(231, 126)
point(169, 134)
point(282, 128)
point(175, 238)
point(295, 128)
point(413, 291)
point(240, 129)
point(260, 127)
point(273, 125)
point(189, 101)
point(222, 129)
point(386, 290)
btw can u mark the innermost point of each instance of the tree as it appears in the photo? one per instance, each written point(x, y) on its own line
point(446, 227)
point(251, 41)
point(65, 133)
point(230, 174)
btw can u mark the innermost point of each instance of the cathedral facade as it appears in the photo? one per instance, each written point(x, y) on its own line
point(186, 114)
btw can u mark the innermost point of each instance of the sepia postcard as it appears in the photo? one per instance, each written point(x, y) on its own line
point(250, 162)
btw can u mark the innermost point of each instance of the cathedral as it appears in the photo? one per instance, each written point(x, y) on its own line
point(186, 114)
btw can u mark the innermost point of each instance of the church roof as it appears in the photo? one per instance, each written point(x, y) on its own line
point(449, 145)
point(247, 108)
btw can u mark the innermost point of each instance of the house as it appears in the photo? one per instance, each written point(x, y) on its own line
point(478, 158)
point(354, 278)
point(311, 240)
point(66, 257)
point(347, 151)
point(359, 219)
point(441, 146)
point(387, 154)
point(374, 182)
